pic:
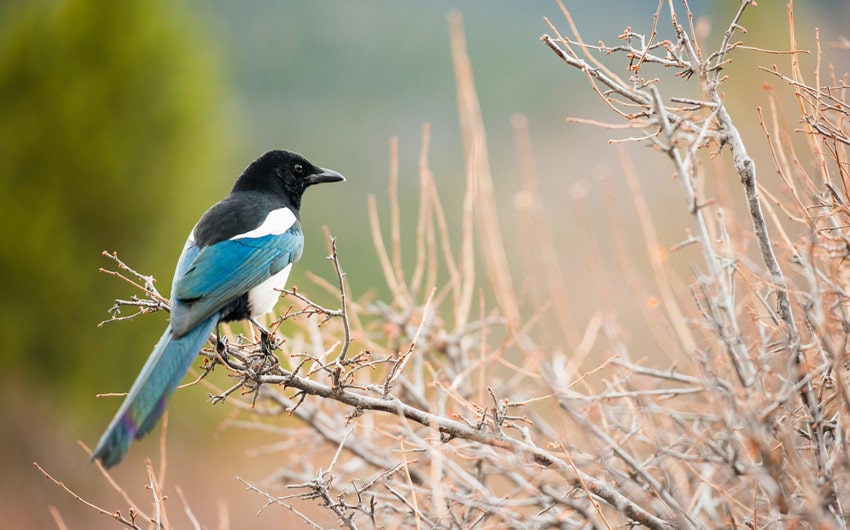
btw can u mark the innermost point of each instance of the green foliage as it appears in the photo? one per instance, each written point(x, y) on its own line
point(109, 116)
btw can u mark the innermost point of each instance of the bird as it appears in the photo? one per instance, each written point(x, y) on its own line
point(235, 261)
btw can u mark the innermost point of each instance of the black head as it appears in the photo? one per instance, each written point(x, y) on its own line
point(285, 174)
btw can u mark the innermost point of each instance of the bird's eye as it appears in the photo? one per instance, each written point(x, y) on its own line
point(298, 168)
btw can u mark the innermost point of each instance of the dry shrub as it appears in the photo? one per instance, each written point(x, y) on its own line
point(444, 410)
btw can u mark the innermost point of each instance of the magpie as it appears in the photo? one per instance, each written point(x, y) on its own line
point(234, 264)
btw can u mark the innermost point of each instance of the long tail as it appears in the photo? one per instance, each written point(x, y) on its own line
point(143, 406)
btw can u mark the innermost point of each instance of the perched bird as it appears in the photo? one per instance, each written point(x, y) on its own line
point(235, 262)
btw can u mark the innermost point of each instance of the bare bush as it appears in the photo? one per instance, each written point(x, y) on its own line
point(444, 410)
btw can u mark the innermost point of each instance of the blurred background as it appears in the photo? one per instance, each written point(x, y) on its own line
point(123, 121)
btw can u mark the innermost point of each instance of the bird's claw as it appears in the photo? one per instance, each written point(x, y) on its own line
point(268, 343)
point(221, 347)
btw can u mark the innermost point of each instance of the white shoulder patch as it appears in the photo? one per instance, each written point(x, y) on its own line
point(276, 223)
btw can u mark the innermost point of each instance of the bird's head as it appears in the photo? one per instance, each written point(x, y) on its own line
point(284, 173)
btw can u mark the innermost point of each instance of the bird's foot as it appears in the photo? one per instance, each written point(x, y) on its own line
point(268, 343)
point(221, 347)
point(267, 340)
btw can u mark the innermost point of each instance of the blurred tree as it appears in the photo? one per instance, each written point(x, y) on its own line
point(110, 114)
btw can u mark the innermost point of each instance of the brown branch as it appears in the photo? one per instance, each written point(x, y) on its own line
point(129, 523)
point(451, 429)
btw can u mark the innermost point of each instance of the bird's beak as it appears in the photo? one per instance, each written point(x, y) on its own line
point(324, 175)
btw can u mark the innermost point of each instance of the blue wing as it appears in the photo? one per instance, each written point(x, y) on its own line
point(208, 279)
point(190, 252)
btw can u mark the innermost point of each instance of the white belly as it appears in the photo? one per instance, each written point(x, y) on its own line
point(262, 298)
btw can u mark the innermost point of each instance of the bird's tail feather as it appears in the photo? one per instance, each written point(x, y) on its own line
point(145, 403)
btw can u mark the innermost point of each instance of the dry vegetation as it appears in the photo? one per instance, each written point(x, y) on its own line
point(444, 409)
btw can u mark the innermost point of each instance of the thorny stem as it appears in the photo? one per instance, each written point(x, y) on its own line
point(343, 311)
point(451, 429)
point(129, 523)
point(746, 168)
point(722, 300)
point(727, 36)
